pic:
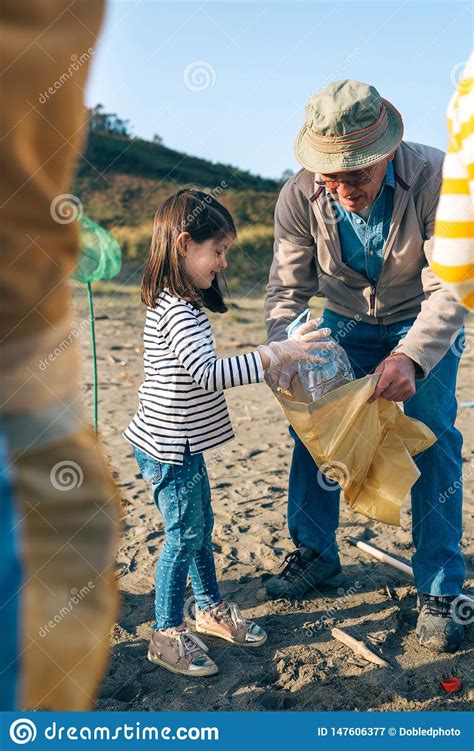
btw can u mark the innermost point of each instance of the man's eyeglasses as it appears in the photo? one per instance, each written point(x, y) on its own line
point(361, 177)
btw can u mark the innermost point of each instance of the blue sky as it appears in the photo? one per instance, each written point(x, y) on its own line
point(228, 81)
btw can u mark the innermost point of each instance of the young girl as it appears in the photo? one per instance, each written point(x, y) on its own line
point(182, 412)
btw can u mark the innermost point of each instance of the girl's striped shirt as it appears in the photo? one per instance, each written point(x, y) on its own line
point(181, 400)
point(453, 255)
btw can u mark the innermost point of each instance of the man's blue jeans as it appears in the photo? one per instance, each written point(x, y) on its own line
point(313, 512)
point(183, 497)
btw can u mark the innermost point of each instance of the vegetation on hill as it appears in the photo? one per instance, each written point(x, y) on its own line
point(153, 160)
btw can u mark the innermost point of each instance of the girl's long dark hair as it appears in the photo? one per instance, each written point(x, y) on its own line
point(200, 214)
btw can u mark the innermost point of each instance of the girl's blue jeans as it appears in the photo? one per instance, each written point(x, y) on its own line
point(183, 496)
point(436, 499)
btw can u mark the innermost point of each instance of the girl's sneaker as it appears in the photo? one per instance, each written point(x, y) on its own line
point(181, 652)
point(227, 622)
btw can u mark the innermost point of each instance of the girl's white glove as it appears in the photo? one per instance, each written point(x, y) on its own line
point(300, 346)
point(281, 375)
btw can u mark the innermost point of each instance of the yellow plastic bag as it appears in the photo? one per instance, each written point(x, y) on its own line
point(366, 448)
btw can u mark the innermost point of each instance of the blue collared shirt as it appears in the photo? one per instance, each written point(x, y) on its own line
point(363, 240)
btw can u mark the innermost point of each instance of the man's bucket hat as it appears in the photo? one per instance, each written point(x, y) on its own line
point(348, 126)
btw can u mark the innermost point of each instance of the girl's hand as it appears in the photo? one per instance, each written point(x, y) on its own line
point(301, 346)
point(281, 375)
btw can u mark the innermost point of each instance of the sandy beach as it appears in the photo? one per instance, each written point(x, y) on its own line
point(301, 667)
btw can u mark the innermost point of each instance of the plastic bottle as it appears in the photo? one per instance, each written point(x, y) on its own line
point(318, 379)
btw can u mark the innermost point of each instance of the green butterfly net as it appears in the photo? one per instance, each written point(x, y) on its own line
point(100, 257)
point(100, 254)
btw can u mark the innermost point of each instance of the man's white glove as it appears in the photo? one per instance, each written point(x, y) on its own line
point(300, 346)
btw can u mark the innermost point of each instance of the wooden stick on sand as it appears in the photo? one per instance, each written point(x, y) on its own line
point(358, 647)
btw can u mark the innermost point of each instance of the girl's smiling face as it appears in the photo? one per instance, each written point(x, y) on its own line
point(202, 261)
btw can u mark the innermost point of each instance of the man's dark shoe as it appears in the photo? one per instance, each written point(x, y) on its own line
point(436, 627)
point(304, 570)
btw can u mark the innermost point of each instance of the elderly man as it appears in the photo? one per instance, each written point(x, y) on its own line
point(355, 226)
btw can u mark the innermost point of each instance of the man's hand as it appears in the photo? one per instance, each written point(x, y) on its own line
point(397, 378)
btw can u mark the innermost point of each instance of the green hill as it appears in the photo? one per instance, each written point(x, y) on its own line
point(121, 181)
point(133, 156)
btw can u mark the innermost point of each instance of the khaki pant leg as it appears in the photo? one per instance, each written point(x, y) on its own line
point(67, 530)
